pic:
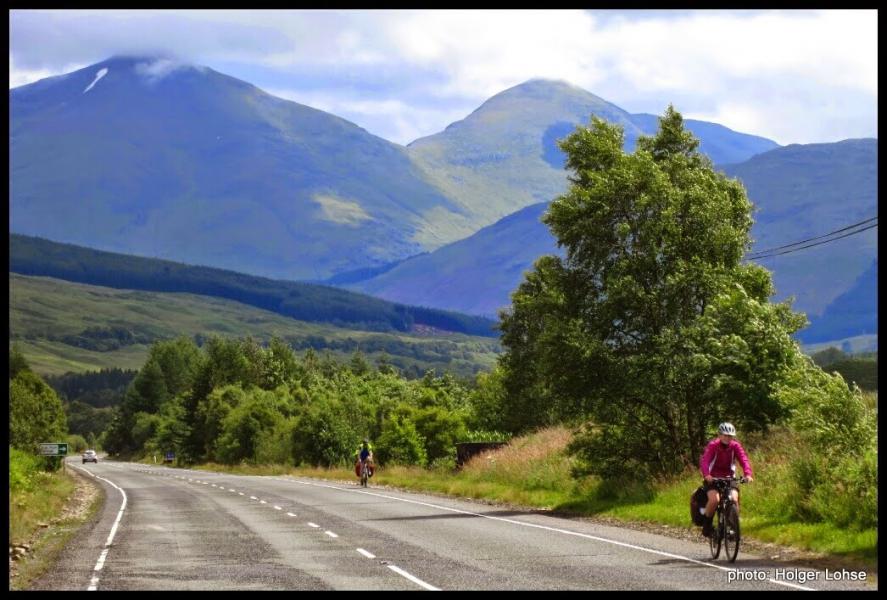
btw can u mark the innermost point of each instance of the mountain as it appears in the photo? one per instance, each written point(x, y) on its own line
point(721, 144)
point(475, 275)
point(799, 191)
point(156, 158)
point(805, 191)
point(853, 313)
point(152, 157)
point(504, 155)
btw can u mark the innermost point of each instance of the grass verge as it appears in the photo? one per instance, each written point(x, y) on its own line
point(38, 517)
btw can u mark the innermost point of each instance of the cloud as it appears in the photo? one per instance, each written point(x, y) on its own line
point(792, 75)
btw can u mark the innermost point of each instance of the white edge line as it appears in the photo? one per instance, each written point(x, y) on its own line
point(93, 584)
point(365, 553)
point(413, 578)
point(555, 529)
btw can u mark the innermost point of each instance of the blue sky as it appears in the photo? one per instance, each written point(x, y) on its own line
point(792, 76)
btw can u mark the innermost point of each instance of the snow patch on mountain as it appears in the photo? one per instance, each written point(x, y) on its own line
point(99, 75)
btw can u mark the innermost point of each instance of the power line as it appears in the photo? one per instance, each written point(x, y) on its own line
point(760, 256)
point(831, 233)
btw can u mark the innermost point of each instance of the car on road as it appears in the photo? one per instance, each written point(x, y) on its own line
point(90, 456)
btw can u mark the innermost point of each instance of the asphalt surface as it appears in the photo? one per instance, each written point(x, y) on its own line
point(196, 530)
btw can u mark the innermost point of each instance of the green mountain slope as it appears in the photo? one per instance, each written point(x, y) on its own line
point(475, 275)
point(799, 192)
point(504, 155)
point(805, 191)
point(185, 163)
point(35, 256)
point(63, 326)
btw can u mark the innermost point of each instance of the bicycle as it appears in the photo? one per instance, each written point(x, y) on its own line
point(726, 519)
point(364, 473)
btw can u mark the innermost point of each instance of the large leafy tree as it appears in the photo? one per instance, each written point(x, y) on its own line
point(651, 329)
point(35, 411)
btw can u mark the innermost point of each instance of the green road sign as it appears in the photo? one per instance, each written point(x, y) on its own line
point(53, 449)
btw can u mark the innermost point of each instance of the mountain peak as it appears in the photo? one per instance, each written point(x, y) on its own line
point(540, 87)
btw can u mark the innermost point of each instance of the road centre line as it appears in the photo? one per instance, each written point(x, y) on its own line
point(313, 524)
point(365, 553)
point(547, 528)
point(331, 534)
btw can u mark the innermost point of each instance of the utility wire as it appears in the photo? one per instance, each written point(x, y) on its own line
point(760, 256)
point(817, 237)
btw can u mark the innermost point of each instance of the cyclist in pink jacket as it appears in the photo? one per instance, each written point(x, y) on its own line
point(718, 460)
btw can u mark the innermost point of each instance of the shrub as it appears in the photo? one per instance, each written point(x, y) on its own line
point(23, 468)
point(76, 444)
point(835, 474)
point(401, 443)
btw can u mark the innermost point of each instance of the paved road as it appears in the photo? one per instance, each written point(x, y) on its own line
point(180, 529)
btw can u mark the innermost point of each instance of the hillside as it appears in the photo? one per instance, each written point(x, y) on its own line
point(804, 191)
point(62, 326)
point(307, 302)
point(156, 158)
point(504, 155)
point(799, 192)
point(475, 275)
point(184, 163)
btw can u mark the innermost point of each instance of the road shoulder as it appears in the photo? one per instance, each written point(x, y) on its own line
point(50, 545)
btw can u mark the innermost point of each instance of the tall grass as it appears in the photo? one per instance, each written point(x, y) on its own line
point(35, 496)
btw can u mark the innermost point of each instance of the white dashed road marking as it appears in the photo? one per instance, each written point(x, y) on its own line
point(365, 553)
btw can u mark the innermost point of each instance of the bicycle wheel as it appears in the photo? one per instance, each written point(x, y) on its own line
point(731, 531)
point(714, 542)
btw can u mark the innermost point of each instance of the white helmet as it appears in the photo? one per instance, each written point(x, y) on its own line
point(727, 429)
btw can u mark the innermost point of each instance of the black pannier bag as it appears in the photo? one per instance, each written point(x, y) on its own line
point(698, 500)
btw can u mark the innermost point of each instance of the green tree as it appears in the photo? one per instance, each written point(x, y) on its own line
point(650, 328)
point(35, 412)
point(401, 443)
point(178, 360)
point(245, 425)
